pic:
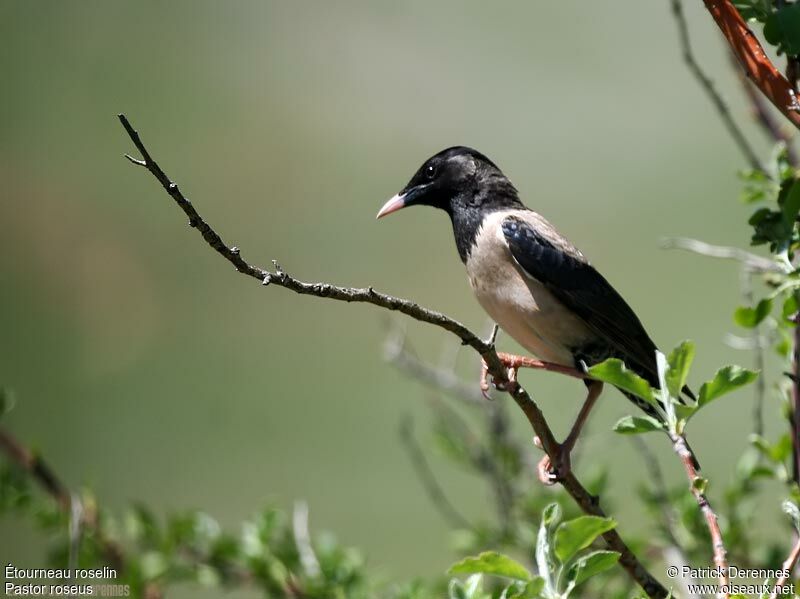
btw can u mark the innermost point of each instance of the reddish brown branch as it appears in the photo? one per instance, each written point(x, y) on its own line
point(587, 502)
point(769, 124)
point(788, 567)
point(750, 54)
point(696, 486)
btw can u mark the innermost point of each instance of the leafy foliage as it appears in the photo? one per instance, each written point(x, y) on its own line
point(781, 22)
point(675, 413)
point(560, 560)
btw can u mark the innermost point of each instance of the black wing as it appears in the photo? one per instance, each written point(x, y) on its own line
point(554, 262)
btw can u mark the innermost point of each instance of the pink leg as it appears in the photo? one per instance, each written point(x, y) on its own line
point(513, 363)
point(550, 474)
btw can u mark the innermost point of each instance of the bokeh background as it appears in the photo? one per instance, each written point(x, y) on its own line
point(145, 368)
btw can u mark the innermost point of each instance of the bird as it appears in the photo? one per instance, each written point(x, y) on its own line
point(532, 281)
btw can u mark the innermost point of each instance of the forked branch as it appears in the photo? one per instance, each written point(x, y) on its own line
point(588, 503)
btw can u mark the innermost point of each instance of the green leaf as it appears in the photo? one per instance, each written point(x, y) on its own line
point(491, 562)
point(769, 226)
point(782, 448)
point(758, 186)
point(473, 587)
point(153, 564)
point(577, 534)
point(591, 564)
point(684, 412)
point(794, 513)
point(680, 361)
point(456, 590)
point(784, 344)
point(752, 317)
point(791, 203)
point(727, 379)
point(614, 372)
point(700, 484)
point(551, 516)
point(761, 444)
point(782, 29)
point(633, 425)
point(789, 308)
point(753, 9)
point(530, 590)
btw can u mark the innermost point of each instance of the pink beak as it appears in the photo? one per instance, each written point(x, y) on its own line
point(393, 205)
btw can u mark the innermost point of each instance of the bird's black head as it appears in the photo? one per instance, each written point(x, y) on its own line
point(465, 184)
point(456, 179)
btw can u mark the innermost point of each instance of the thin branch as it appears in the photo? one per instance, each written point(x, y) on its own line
point(746, 284)
point(425, 474)
point(482, 457)
point(533, 413)
point(696, 485)
point(674, 553)
point(281, 279)
point(398, 353)
point(756, 63)
point(660, 493)
point(753, 262)
point(788, 567)
point(708, 86)
point(502, 485)
point(38, 469)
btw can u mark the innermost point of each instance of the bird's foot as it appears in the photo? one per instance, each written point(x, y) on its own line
point(551, 471)
point(513, 363)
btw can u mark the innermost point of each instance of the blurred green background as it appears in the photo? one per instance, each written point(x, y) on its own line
point(148, 370)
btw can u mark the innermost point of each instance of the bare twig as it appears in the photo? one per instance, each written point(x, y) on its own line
point(398, 353)
point(788, 566)
point(696, 485)
point(753, 262)
point(756, 63)
point(674, 553)
point(503, 486)
point(432, 487)
point(533, 413)
point(660, 493)
point(482, 457)
point(746, 284)
point(708, 86)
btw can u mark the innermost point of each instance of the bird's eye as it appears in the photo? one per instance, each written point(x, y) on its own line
point(430, 171)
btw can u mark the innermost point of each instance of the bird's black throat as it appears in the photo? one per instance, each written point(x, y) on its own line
point(467, 222)
point(468, 210)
